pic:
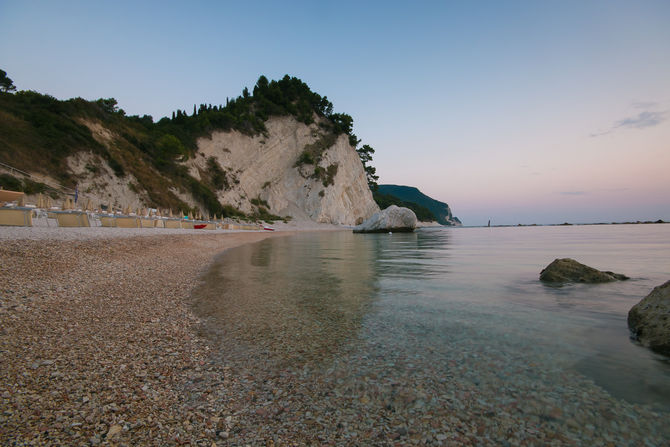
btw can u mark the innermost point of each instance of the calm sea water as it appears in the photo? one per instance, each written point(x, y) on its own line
point(457, 319)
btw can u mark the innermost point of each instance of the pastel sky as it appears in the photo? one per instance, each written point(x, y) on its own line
point(518, 112)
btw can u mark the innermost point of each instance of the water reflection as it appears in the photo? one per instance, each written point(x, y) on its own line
point(414, 256)
point(295, 301)
point(440, 331)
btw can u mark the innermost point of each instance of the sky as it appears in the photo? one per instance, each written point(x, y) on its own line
point(514, 111)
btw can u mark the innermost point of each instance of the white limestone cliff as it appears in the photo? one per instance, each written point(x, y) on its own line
point(264, 168)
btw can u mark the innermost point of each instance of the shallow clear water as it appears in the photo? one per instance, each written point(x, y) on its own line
point(449, 331)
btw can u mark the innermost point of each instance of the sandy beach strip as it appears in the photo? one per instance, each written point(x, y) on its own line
point(98, 345)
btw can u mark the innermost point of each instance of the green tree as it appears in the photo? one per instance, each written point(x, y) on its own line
point(170, 147)
point(365, 153)
point(342, 123)
point(370, 172)
point(6, 84)
point(109, 105)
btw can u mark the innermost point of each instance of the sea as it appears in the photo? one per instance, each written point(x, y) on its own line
point(443, 336)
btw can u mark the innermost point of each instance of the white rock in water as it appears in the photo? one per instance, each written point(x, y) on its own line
point(391, 219)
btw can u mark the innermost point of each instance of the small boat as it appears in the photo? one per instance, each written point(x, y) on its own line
point(199, 226)
point(268, 229)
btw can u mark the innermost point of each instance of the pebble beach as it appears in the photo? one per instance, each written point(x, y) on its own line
point(107, 338)
point(97, 341)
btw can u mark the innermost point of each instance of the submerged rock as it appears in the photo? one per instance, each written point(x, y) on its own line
point(649, 320)
point(393, 218)
point(569, 270)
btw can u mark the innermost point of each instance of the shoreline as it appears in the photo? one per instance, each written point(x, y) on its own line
point(99, 343)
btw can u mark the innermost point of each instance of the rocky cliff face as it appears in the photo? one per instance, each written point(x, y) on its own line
point(265, 169)
point(257, 159)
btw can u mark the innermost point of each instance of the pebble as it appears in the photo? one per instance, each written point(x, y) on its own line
point(114, 430)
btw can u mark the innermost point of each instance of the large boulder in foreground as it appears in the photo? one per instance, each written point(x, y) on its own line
point(649, 320)
point(569, 270)
point(393, 218)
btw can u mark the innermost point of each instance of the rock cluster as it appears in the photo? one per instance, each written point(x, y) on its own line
point(568, 270)
point(393, 218)
point(649, 320)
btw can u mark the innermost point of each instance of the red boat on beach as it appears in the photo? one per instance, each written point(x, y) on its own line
point(199, 226)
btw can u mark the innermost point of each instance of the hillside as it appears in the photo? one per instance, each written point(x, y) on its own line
point(277, 151)
point(426, 208)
